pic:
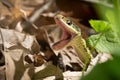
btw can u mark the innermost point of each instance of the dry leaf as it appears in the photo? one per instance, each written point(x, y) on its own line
point(15, 66)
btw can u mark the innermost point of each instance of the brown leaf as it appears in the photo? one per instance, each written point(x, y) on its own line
point(15, 67)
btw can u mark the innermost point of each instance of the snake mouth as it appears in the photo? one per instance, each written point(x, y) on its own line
point(65, 38)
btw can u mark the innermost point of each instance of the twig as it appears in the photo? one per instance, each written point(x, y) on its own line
point(7, 3)
point(38, 12)
point(3, 48)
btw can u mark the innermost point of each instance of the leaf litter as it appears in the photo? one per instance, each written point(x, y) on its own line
point(26, 44)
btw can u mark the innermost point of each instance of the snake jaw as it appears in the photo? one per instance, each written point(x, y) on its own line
point(65, 38)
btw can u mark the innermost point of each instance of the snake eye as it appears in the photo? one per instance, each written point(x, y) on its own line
point(62, 17)
point(69, 22)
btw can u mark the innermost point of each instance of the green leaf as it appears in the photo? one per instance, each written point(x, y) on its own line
point(110, 16)
point(99, 25)
point(107, 41)
point(105, 71)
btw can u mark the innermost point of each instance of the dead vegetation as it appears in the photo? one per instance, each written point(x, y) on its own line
point(27, 33)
